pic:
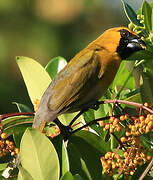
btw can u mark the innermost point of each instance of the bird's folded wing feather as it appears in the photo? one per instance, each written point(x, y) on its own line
point(68, 84)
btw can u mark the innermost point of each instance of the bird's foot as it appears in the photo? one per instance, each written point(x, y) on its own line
point(95, 105)
point(66, 131)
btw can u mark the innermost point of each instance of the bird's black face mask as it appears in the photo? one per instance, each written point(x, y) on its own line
point(129, 44)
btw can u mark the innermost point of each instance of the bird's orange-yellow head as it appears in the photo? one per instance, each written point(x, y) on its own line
point(121, 40)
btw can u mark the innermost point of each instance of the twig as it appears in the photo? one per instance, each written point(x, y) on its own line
point(4, 116)
point(150, 165)
point(138, 105)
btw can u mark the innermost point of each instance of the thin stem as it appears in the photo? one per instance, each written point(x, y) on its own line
point(150, 165)
point(4, 116)
point(138, 105)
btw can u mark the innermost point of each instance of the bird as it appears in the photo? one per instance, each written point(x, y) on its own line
point(88, 75)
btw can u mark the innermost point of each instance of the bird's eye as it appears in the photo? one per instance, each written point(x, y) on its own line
point(125, 33)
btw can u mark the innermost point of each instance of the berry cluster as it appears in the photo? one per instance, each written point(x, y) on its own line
point(134, 153)
point(7, 146)
point(132, 158)
point(140, 125)
point(113, 124)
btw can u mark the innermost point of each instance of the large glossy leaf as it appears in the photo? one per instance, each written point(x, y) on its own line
point(55, 65)
point(131, 14)
point(60, 147)
point(147, 11)
point(122, 76)
point(67, 176)
point(85, 149)
point(35, 77)
point(23, 174)
point(38, 156)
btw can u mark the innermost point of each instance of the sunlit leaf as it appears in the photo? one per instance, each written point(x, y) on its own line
point(23, 174)
point(38, 155)
point(35, 77)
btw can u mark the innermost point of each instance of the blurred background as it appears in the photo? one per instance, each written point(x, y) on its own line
point(46, 29)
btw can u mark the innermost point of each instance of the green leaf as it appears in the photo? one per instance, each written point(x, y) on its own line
point(140, 55)
point(93, 140)
point(90, 116)
point(61, 150)
point(85, 150)
point(36, 78)
point(131, 15)
point(55, 65)
point(3, 166)
point(16, 124)
point(124, 75)
point(134, 98)
point(147, 88)
point(22, 107)
point(23, 174)
point(147, 11)
point(77, 177)
point(38, 156)
point(67, 176)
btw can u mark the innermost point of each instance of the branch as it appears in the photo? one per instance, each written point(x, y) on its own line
point(138, 105)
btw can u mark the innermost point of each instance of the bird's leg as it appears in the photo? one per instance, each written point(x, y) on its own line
point(77, 116)
point(65, 130)
point(94, 105)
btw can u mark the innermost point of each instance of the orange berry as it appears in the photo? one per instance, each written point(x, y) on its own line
point(122, 117)
point(126, 116)
point(131, 173)
point(142, 118)
point(108, 155)
point(17, 150)
point(116, 121)
point(128, 133)
point(150, 124)
point(111, 130)
point(147, 129)
point(148, 158)
point(147, 120)
point(112, 118)
point(151, 117)
point(123, 139)
point(101, 123)
point(51, 134)
point(12, 153)
point(119, 128)
point(146, 104)
point(107, 126)
point(125, 155)
point(3, 135)
point(7, 142)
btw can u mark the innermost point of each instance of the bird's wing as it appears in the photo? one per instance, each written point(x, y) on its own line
point(68, 84)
